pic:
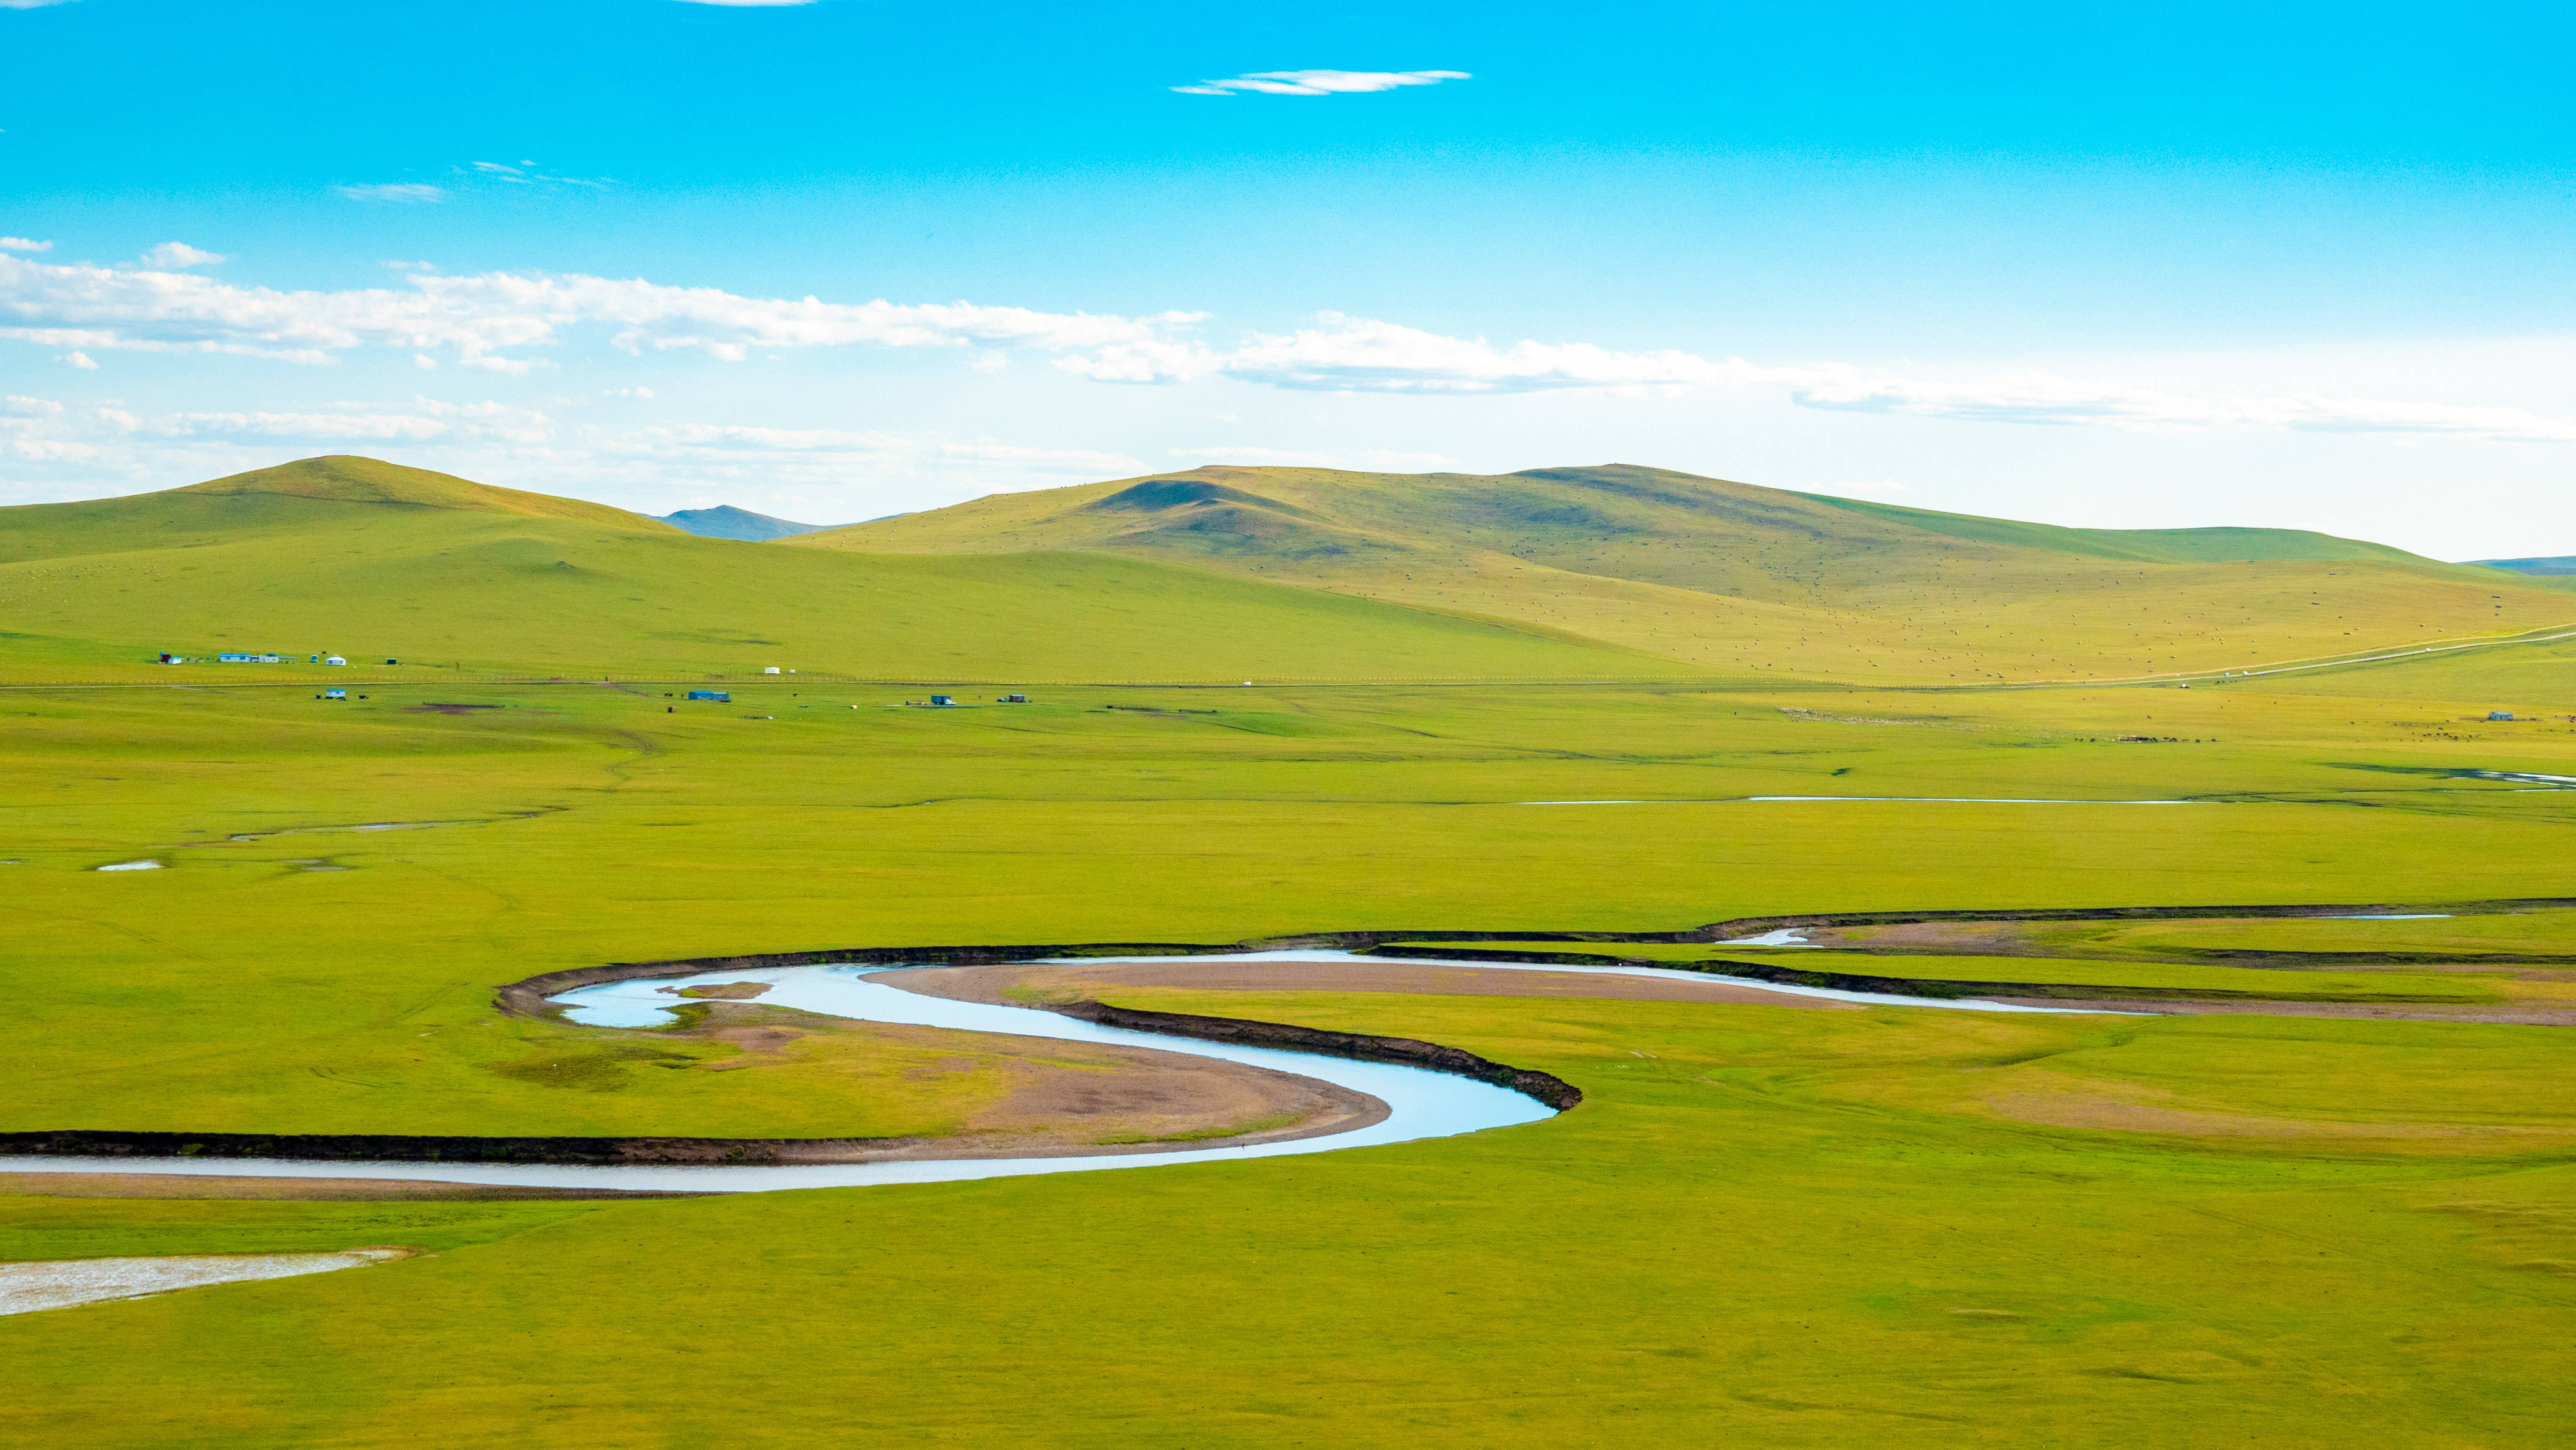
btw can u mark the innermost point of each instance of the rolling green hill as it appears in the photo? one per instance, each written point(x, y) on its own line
point(377, 561)
point(1759, 581)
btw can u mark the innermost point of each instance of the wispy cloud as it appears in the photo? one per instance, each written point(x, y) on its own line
point(22, 244)
point(1361, 355)
point(481, 320)
point(1356, 354)
point(30, 4)
point(525, 173)
point(487, 439)
point(2045, 399)
point(1321, 82)
point(420, 420)
point(181, 255)
point(396, 191)
point(79, 362)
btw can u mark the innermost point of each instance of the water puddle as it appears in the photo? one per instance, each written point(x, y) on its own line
point(58, 1284)
point(2535, 784)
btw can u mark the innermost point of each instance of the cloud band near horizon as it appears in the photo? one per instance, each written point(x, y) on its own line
point(500, 321)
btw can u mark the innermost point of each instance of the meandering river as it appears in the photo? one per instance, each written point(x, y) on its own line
point(1422, 1103)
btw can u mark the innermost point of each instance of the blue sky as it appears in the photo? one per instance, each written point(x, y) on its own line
point(2296, 265)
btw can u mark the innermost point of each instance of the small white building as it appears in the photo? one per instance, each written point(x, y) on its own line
point(333, 660)
point(773, 669)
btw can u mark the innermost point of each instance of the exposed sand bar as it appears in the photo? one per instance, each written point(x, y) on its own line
point(1696, 986)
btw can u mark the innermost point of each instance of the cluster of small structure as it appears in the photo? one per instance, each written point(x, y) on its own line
point(949, 702)
point(234, 657)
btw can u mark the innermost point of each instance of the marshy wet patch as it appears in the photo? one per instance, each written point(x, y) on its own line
point(26, 1288)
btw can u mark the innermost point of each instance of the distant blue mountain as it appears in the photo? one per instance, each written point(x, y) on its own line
point(727, 522)
point(2562, 564)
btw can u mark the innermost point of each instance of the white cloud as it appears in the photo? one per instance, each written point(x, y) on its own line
point(1146, 360)
point(81, 444)
point(626, 392)
point(79, 361)
point(525, 173)
point(22, 244)
point(404, 191)
point(2043, 398)
point(1322, 82)
point(477, 317)
point(1360, 355)
point(409, 266)
point(30, 4)
point(420, 420)
point(181, 255)
point(1355, 354)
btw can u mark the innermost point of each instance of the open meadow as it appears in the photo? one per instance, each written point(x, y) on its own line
point(1778, 1225)
point(2261, 1178)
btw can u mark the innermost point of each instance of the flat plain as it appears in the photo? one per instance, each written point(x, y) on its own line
point(1764, 1225)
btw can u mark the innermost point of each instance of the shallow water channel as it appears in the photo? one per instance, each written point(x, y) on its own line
point(1422, 1103)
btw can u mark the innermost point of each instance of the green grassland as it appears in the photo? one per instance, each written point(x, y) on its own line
point(2531, 933)
point(1764, 1226)
point(319, 976)
point(1742, 580)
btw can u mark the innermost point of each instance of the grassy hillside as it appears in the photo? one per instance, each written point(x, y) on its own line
point(381, 562)
point(1760, 581)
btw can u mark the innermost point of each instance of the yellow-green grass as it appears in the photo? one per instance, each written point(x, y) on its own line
point(2525, 933)
point(2110, 977)
point(471, 587)
point(1763, 1227)
point(238, 989)
point(2531, 681)
point(1753, 581)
